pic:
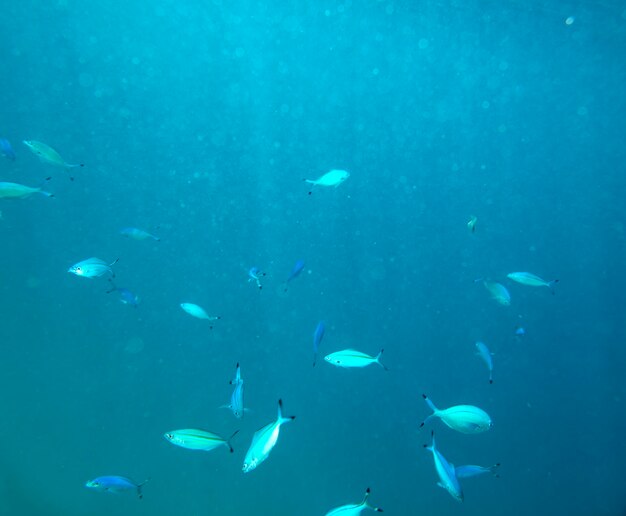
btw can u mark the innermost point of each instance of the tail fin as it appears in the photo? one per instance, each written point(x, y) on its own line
point(282, 419)
point(367, 504)
point(139, 488)
point(229, 439)
point(432, 407)
point(551, 285)
point(380, 353)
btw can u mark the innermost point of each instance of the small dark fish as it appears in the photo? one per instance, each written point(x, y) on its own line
point(126, 296)
point(295, 272)
point(318, 335)
point(6, 149)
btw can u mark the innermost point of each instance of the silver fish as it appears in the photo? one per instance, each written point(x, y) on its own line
point(48, 155)
point(466, 419)
point(17, 191)
point(354, 509)
point(264, 441)
point(353, 358)
point(484, 353)
point(194, 439)
point(446, 472)
point(527, 278)
point(473, 471)
point(138, 234)
point(236, 398)
point(92, 268)
point(332, 178)
point(498, 292)
point(198, 312)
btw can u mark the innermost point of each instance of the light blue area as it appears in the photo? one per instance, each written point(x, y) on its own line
point(199, 120)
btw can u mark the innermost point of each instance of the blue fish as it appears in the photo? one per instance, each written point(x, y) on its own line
point(115, 484)
point(6, 149)
point(318, 335)
point(295, 272)
point(126, 296)
point(446, 472)
point(520, 332)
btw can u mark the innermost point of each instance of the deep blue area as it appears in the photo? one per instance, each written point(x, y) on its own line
point(198, 121)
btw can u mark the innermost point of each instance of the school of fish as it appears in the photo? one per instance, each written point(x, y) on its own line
point(463, 418)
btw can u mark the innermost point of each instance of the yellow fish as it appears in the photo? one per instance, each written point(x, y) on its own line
point(48, 155)
point(17, 191)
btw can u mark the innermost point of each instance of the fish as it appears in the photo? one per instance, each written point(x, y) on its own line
point(115, 484)
point(6, 150)
point(446, 472)
point(484, 353)
point(92, 268)
point(295, 272)
point(236, 398)
point(138, 234)
point(354, 509)
point(17, 191)
point(466, 419)
point(264, 440)
point(318, 335)
point(254, 275)
point(498, 292)
point(332, 178)
point(194, 439)
point(126, 296)
point(471, 225)
point(353, 358)
point(198, 312)
point(474, 471)
point(520, 332)
point(48, 155)
point(527, 278)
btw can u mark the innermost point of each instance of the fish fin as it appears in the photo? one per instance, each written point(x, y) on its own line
point(431, 405)
point(229, 439)
point(139, 488)
point(280, 418)
point(551, 285)
point(380, 353)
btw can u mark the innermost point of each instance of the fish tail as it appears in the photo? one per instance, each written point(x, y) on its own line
point(282, 419)
point(140, 486)
point(494, 469)
point(430, 403)
point(431, 447)
point(551, 285)
point(380, 354)
point(229, 439)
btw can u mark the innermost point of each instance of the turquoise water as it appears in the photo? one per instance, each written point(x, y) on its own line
point(197, 121)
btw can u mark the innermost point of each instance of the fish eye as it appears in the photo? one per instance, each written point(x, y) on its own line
point(169, 436)
point(79, 269)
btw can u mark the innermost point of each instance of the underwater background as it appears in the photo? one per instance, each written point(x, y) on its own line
point(198, 121)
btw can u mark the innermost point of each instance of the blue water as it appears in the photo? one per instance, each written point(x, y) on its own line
point(197, 121)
